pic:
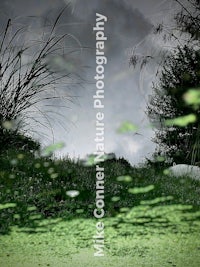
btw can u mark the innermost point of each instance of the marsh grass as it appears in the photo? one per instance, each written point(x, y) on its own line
point(35, 187)
point(30, 80)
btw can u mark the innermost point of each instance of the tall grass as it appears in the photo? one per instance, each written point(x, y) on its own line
point(26, 76)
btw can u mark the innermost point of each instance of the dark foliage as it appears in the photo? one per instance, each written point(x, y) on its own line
point(180, 72)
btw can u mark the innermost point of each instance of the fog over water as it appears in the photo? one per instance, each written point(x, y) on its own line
point(126, 89)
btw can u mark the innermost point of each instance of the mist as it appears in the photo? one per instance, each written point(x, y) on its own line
point(130, 24)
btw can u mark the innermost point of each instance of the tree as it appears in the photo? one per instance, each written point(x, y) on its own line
point(179, 71)
point(188, 19)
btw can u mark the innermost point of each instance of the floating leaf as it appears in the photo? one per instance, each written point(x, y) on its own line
point(127, 127)
point(35, 217)
point(72, 193)
point(156, 200)
point(31, 208)
point(166, 172)
point(8, 125)
point(79, 211)
point(125, 178)
point(14, 162)
point(50, 170)
point(16, 216)
point(124, 209)
point(69, 64)
point(192, 97)
point(90, 160)
point(160, 159)
point(52, 148)
point(115, 199)
point(37, 165)
point(182, 121)
point(46, 164)
point(54, 175)
point(20, 156)
point(7, 206)
point(140, 190)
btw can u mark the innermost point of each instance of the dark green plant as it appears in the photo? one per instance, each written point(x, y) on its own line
point(181, 72)
point(178, 72)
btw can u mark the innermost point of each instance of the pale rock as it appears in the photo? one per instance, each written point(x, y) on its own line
point(185, 170)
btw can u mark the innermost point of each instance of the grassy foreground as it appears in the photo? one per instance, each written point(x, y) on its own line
point(68, 244)
point(151, 219)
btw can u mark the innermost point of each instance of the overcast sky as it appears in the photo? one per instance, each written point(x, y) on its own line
point(126, 90)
